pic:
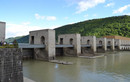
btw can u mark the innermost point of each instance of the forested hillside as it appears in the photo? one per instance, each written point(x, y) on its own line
point(118, 25)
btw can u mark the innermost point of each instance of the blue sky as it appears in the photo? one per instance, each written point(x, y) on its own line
point(22, 16)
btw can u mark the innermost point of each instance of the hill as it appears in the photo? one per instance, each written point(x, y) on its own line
point(117, 25)
point(11, 39)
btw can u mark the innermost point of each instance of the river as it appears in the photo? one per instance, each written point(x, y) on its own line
point(114, 67)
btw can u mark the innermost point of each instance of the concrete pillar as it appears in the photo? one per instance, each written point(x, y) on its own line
point(94, 46)
point(105, 44)
point(113, 44)
point(50, 46)
point(2, 31)
point(77, 44)
point(119, 44)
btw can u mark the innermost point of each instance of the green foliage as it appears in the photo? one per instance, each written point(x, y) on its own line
point(7, 46)
point(119, 25)
point(15, 44)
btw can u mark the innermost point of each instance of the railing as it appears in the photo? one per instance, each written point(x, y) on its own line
point(26, 45)
point(61, 46)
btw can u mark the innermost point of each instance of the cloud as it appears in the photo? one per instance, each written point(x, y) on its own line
point(37, 16)
point(26, 23)
point(110, 4)
point(84, 5)
point(122, 9)
point(126, 13)
point(49, 18)
point(13, 30)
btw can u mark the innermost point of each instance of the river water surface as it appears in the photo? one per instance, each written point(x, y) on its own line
point(114, 67)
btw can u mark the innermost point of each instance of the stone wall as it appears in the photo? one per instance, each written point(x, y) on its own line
point(11, 65)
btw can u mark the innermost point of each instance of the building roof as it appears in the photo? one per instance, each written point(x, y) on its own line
point(117, 37)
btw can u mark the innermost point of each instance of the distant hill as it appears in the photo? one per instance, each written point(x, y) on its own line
point(11, 39)
point(117, 25)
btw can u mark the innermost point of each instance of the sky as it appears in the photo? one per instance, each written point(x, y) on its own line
point(22, 16)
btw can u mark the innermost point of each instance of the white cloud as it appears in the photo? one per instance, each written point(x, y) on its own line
point(37, 16)
point(126, 13)
point(110, 4)
point(26, 23)
point(50, 18)
point(122, 9)
point(84, 5)
point(13, 30)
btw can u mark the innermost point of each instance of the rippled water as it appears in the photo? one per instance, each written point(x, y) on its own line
point(114, 67)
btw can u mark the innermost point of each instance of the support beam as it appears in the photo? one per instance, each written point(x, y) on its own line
point(105, 44)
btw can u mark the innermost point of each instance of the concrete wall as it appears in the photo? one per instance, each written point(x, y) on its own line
point(70, 39)
point(90, 41)
point(110, 44)
point(125, 42)
point(117, 44)
point(11, 65)
point(101, 44)
point(44, 37)
point(28, 53)
point(2, 31)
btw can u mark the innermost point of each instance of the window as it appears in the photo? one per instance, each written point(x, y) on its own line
point(88, 42)
point(61, 40)
point(109, 42)
point(100, 42)
point(42, 40)
point(32, 40)
point(115, 43)
point(71, 41)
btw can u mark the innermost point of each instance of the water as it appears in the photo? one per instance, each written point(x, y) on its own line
point(115, 67)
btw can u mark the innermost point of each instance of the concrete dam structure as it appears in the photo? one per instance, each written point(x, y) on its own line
point(2, 31)
point(42, 45)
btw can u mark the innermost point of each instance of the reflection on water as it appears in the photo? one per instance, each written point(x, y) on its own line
point(114, 67)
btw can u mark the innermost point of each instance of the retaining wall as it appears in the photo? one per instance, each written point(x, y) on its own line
point(11, 65)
